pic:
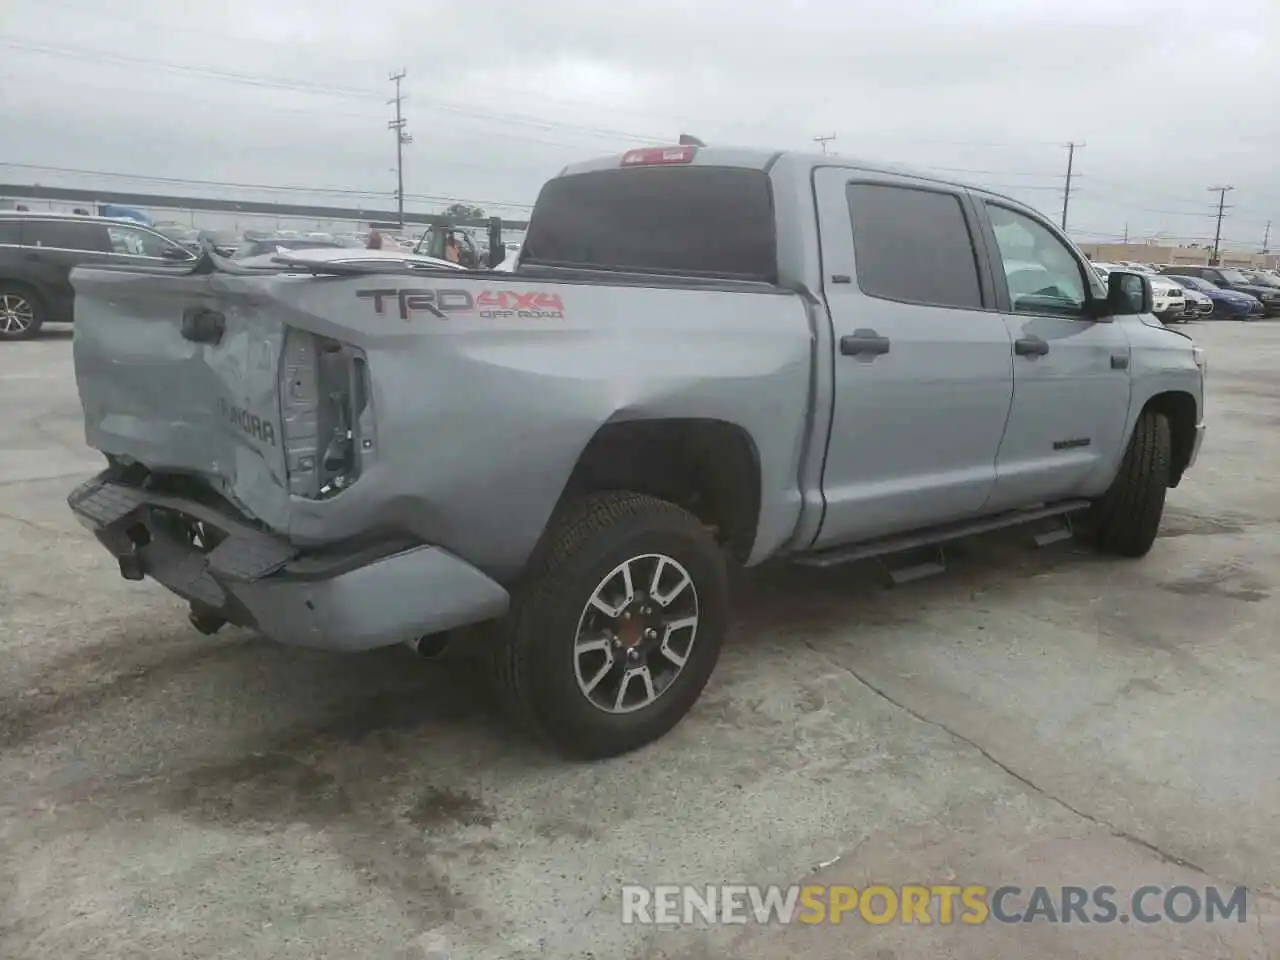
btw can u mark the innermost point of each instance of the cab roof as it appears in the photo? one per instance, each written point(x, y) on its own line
point(754, 158)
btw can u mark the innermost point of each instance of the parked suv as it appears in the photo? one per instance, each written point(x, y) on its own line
point(39, 250)
point(1229, 278)
point(708, 357)
point(1168, 299)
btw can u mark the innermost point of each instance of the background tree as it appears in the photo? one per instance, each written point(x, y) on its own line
point(464, 211)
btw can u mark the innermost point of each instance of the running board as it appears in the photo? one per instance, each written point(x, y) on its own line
point(936, 535)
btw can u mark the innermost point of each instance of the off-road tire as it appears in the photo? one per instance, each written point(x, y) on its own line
point(37, 311)
point(1126, 519)
point(534, 664)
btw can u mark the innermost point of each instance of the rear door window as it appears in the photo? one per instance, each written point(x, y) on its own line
point(136, 242)
point(681, 220)
point(10, 231)
point(66, 235)
point(913, 246)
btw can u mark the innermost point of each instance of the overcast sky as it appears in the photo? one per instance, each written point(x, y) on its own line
point(1169, 96)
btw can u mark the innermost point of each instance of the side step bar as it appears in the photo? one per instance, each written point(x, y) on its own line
point(936, 535)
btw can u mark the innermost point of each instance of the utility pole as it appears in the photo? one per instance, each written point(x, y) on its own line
point(1222, 208)
point(397, 126)
point(1266, 238)
point(823, 141)
point(1066, 192)
point(1126, 234)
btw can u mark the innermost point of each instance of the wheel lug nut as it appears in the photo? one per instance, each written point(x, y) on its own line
point(626, 615)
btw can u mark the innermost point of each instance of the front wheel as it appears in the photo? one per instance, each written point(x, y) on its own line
point(1127, 517)
point(619, 626)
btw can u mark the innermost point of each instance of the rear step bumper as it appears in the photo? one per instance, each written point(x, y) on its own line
point(346, 600)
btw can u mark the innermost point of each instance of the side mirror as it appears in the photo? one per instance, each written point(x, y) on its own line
point(1128, 294)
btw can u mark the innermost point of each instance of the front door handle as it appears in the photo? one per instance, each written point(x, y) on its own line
point(1030, 347)
point(864, 343)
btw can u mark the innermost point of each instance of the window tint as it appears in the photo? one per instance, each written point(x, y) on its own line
point(10, 231)
point(1042, 273)
point(137, 243)
point(705, 221)
point(66, 234)
point(913, 245)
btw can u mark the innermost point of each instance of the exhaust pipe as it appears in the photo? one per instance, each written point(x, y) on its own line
point(206, 623)
point(431, 646)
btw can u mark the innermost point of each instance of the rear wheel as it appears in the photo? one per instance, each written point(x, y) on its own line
point(1127, 517)
point(21, 313)
point(619, 626)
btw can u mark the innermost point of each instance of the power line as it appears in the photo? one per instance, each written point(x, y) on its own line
point(10, 77)
point(266, 82)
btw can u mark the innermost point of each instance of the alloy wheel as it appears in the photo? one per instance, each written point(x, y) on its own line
point(16, 314)
point(635, 633)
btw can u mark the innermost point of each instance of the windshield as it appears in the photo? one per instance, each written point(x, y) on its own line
point(1262, 278)
point(1234, 276)
point(1195, 283)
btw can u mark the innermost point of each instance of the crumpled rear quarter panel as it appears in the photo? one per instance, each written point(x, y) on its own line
point(480, 413)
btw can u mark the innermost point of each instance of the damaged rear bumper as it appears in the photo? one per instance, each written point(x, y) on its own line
point(341, 599)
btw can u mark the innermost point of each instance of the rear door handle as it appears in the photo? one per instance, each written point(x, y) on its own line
point(202, 325)
point(864, 343)
point(1030, 347)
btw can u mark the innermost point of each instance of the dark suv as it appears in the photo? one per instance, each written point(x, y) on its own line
point(38, 250)
point(1229, 278)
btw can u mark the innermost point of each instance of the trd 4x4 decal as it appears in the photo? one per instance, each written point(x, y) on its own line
point(440, 302)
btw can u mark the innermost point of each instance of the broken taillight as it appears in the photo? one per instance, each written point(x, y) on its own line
point(328, 427)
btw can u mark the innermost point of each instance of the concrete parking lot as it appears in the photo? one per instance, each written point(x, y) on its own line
point(1034, 716)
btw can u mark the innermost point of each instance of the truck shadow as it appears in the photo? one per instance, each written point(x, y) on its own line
point(406, 767)
point(287, 699)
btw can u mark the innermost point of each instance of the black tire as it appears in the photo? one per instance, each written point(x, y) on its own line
point(27, 303)
point(536, 666)
point(1127, 517)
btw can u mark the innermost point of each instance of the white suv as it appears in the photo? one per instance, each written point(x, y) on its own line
point(1168, 302)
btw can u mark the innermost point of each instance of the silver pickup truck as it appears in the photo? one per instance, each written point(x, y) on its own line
point(706, 357)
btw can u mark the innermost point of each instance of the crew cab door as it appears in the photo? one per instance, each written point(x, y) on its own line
point(923, 374)
point(1071, 372)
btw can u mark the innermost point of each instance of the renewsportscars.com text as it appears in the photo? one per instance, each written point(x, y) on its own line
point(930, 904)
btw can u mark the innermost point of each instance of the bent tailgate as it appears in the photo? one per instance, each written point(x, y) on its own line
point(203, 401)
